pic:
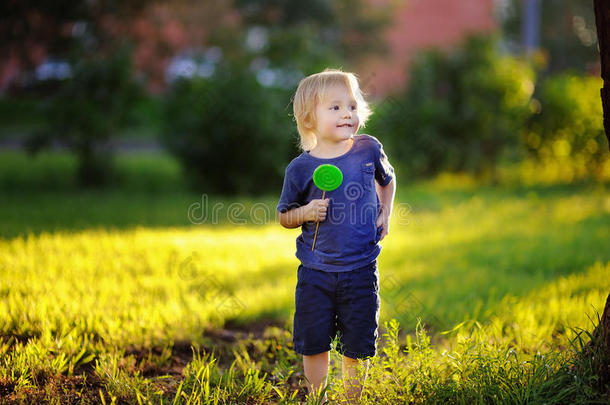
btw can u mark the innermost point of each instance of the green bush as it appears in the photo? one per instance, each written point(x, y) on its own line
point(232, 135)
point(19, 115)
point(568, 122)
point(56, 171)
point(461, 112)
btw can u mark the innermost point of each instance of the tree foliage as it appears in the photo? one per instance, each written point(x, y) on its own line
point(86, 111)
point(461, 111)
point(568, 122)
point(230, 133)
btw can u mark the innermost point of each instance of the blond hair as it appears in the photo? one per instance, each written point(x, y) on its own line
point(312, 90)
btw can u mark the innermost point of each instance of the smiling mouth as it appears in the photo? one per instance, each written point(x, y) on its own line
point(344, 125)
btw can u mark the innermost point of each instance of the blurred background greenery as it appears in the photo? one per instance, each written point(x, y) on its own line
point(207, 87)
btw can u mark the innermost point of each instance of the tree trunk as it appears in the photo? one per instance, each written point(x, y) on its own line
point(601, 334)
point(602, 20)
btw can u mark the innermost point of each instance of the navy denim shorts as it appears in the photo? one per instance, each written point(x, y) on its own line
point(331, 303)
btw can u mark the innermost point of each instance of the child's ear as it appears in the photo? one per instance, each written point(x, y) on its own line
point(308, 122)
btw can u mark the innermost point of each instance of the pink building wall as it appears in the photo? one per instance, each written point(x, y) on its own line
point(421, 24)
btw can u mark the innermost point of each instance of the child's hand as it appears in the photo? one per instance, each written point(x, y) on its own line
point(316, 210)
point(384, 222)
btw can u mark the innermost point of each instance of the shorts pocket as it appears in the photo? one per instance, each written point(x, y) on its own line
point(367, 278)
point(368, 173)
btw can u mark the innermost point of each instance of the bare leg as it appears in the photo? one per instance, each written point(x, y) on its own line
point(316, 370)
point(353, 385)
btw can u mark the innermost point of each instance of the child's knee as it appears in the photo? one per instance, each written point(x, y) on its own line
point(349, 360)
point(311, 356)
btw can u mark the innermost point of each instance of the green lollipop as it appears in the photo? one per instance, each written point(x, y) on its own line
point(326, 177)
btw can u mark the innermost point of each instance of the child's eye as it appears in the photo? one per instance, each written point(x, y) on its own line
point(335, 107)
point(353, 108)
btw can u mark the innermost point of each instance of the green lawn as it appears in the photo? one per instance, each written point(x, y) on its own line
point(104, 293)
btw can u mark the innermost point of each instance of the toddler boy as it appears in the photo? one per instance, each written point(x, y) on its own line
point(338, 281)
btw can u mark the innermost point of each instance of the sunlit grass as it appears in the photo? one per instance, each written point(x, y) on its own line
point(496, 274)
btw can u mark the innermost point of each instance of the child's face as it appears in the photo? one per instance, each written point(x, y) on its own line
point(336, 116)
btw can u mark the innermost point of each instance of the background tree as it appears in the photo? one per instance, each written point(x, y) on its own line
point(461, 111)
point(64, 28)
point(602, 18)
point(229, 132)
point(311, 35)
point(86, 109)
point(567, 33)
point(232, 129)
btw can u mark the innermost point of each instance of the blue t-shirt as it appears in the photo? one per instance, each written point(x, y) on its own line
point(348, 238)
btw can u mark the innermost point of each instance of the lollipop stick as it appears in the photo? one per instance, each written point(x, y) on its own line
point(317, 224)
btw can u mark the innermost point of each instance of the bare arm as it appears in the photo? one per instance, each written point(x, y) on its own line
point(386, 199)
